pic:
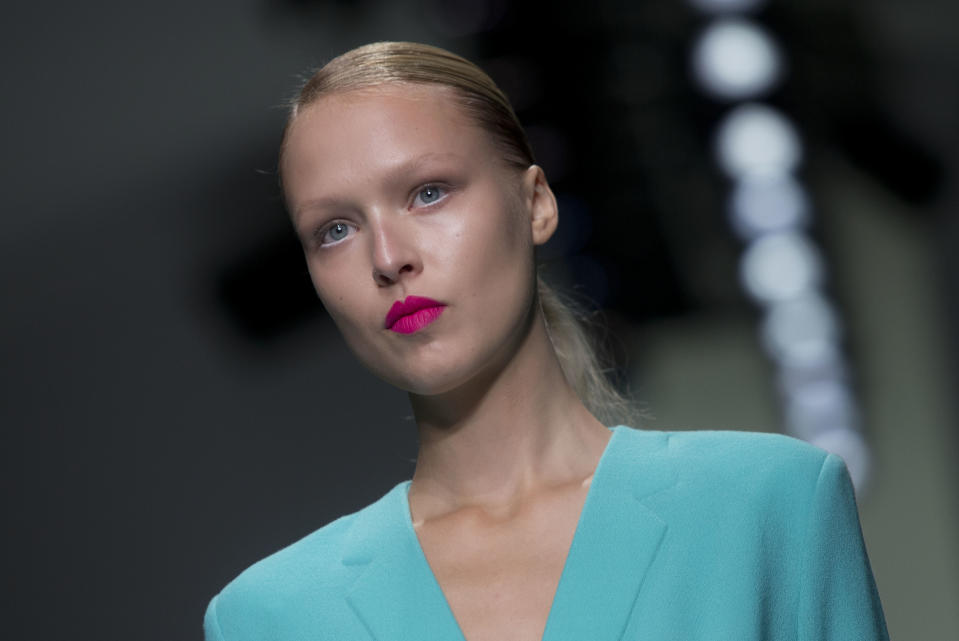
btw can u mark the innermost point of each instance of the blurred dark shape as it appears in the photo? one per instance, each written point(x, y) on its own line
point(834, 93)
point(597, 123)
point(551, 149)
point(574, 232)
point(267, 290)
point(638, 136)
point(260, 280)
point(459, 18)
point(897, 162)
point(312, 4)
point(614, 117)
point(519, 78)
point(315, 16)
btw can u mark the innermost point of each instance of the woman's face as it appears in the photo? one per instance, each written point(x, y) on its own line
point(396, 193)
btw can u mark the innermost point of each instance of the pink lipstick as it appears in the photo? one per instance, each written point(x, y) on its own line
point(413, 314)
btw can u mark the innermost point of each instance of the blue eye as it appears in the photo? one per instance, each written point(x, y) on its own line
point(429, 194)
point(334, 233)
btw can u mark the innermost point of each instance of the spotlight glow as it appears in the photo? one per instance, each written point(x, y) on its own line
point(781, 269)
point(819, 407)
point(764, 204)
point(777, 267)
point(831, 368)
point(755, 140)
point(801, 332)
point(734, 59)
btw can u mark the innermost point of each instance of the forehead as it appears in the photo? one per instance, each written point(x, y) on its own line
point(362, 131)
point(396, 97)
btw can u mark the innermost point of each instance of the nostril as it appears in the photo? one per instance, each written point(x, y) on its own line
point(387, 274)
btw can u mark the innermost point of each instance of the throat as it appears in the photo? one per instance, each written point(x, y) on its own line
point(503, 468)
point(499, 573)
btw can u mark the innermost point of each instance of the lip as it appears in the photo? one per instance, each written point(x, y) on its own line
point(413, 314)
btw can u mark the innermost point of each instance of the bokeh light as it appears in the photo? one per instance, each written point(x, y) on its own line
point(755, 139)
point(777, 267)
point(734, 59)
point(761, 204)
point(802, 331)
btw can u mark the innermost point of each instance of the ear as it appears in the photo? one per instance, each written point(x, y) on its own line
point(541, 204)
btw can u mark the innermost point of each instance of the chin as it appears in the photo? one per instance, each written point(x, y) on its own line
point(441, 365)
point(429, 374)
point(432, 382)
point(436, 376)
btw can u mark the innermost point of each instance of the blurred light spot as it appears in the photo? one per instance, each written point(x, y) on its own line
point(801, 332)
point(763, 204)
point(724, 6)
point(735, 59)
point(849, 445)
point(780, 266)
point(793, 376)
point(756, 139)
point(818, 407)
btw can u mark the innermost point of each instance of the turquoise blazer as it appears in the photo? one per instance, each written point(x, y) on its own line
point(683, 535)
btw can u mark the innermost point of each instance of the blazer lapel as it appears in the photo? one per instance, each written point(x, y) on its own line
point(395, 595)
point(615, 542)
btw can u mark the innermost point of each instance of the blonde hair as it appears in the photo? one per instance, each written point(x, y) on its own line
point(409, 62)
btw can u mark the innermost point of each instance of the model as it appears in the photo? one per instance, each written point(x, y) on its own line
point(419, 206)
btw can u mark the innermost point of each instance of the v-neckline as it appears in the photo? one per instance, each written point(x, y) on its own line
point(569, 564)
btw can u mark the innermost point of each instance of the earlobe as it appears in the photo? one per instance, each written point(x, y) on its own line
point(544, 213)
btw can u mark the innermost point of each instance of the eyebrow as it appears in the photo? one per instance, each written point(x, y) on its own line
point(397, 174)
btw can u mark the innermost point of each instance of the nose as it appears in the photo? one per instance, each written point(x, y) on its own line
point(394, 255)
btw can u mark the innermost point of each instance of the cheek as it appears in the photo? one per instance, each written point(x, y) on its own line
point(336, 290)
point(342, 295)
point(494, 230)
point(495, 258)
point(355, 331)
point(507, 246)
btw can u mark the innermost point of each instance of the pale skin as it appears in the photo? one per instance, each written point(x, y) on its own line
point(395, 191)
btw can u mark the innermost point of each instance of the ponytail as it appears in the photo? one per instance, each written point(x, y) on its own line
point(566, 325)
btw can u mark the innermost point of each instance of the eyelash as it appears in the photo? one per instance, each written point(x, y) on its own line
point(323, 231)
point(442, 190)
point(442, 193)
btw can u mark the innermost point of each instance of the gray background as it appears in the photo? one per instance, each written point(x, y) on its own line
point(151, 449)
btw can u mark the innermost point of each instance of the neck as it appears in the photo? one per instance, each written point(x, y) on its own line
point(516, 429)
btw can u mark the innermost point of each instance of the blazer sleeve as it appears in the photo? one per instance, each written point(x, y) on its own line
point(211, 626)
point(838, 598)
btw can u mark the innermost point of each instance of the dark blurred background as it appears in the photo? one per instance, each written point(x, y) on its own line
point(175, 405)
